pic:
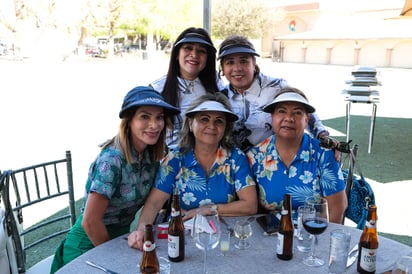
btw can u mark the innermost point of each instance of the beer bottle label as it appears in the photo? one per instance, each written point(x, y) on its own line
point(149, 246)
point(174, 212)
point(173, 246)
point(370, 224)
point(279, 247)
point(368, 259)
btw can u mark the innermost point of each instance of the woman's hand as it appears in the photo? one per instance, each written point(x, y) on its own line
point(135, 239)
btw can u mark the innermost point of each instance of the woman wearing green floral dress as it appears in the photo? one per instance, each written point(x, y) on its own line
point(121, 176)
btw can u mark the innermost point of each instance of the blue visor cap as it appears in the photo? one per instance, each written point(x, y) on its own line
point(145, 96)
point(195, 38)
point(236, 48)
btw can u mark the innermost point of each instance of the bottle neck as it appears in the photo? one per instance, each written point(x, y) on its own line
point(175, 210)
point(370, 226)
point(371, 219)
point(149, 244)
point(287, 205)
point(287, 202)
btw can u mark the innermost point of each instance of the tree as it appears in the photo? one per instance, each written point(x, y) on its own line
point(42, 27)
point(161, 19)
point(243, 17)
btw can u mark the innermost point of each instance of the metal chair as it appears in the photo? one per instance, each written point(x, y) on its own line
point(28, 191)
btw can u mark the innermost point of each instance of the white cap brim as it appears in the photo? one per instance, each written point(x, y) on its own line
point(289, 97)
point(213, 106)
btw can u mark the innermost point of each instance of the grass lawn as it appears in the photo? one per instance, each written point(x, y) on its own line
point(45, 249)
point(390, 156)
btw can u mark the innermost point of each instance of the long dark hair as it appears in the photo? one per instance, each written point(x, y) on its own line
point(207, 76)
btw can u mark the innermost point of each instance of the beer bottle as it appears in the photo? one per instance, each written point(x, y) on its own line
point(284, 248)
point(149, 263)
point(176, 232)
point(368, 244)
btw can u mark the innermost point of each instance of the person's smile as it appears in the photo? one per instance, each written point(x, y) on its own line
point(192, 61)
point(152, 134)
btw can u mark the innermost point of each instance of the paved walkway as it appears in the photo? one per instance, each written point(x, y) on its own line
point(50, 107)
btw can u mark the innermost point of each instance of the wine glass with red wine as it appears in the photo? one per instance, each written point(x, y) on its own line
point(315, 221)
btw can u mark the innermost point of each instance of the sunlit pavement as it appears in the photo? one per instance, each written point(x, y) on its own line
point(48, 107)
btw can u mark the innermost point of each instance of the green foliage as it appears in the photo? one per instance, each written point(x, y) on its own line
point(165, 19)
point(243, 17)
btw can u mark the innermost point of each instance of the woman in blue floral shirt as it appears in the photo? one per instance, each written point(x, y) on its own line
point(291, 161)
point(121, 176)
point(207, 171)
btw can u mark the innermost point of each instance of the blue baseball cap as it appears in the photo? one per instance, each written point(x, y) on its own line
point(236, 48)
point(145, 96)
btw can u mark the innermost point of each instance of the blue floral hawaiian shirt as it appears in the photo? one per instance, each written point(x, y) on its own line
point(229, 174)
point(125, 185)
point(313, 172)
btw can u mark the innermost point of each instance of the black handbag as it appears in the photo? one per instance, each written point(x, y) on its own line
point(359, 192)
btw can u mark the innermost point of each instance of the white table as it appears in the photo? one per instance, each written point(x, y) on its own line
point(260, 258)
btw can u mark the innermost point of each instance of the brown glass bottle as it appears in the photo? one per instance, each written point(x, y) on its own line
point(176, 232)
point(368, 244)
point(284, 248)
point(149, 263)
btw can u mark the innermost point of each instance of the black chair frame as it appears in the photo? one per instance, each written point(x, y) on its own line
point(33, 185)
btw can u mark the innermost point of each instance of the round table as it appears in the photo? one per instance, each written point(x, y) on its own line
point(259, 258)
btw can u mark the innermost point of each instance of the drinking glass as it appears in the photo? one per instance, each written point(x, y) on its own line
point(315, 221)
point(225, 242)
point(304, 237)
point(243, 230)
point(206, 231)
point(403, 265)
